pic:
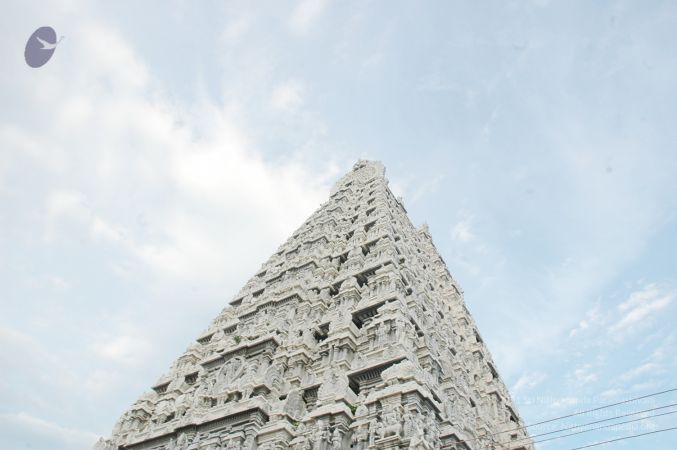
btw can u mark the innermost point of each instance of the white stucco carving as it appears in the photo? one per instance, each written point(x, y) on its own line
point(352, 333)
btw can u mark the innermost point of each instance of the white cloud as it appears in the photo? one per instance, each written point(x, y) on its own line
point(19, 348)
point(236, 29)
point(101, 229)
point(415, 187)
point(592, 317)
point(306, 13)
point(128, 347)
point(288, 96)
point(527, 381)
point(39, 367)
point(583, 375)
point(217, 180)
point(647, 386)
point(24, 422)
point(58, 282)
point(610, 393)
point(124, 69)
point(462, 231)
point(100, 382)
point(648, 293)
point(644, 369)
point(65, 203)
point(565, 402)
point(72, 206)
point(665, 351)
point(641, 305)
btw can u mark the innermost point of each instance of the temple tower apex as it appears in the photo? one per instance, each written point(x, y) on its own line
point(353, 335)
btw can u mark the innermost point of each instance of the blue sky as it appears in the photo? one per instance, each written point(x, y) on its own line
point(168, 148)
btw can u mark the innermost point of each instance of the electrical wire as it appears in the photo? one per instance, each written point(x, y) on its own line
point(601, 407)
point(524, 427)
point(596, 422)
point(529, 438)
point(604, 426)
point(624, 438)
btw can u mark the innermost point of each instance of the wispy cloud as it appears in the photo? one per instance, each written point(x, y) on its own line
point(644, 369)
point(592, 318)
point(528, 381)
point(235, 30)
point(287, 96)
point(585, 375)
point(305, 14)
point(129, 346)
point(640, 306)
point(462, 231)
point(565, 402)
point(23, 422)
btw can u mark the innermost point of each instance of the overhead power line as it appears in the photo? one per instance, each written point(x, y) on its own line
point(600, 407)
point(524, 427)
point(596, 422)
point(624, 438)
point(604, 426)
point(529, 438)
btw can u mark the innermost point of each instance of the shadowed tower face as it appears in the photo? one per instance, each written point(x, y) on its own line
point(352, 335)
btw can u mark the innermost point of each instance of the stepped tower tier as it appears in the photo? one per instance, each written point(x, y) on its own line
point(353, 335)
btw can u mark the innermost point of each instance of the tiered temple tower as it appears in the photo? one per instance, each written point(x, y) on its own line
point(353, 335)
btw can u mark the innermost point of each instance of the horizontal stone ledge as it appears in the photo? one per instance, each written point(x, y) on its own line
point(405, 388)
point(246, 347)
point(209, 420)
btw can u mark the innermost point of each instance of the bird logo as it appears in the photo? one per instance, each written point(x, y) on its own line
point(40, 46)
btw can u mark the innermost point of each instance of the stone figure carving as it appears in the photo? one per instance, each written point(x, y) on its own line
point(336, 439)
point(430, 427)
point(351, 282)
point(382, 335)
point(304, 444)
point(234, 443)
point(408, 424)
point(204, 392)
point(163, 410)
point(195, 444)
point(375, 431)
point(335, 382)
point(322, 434)
point(182, 442)
point(294, 405)
point(391, 421)
point(249, 442)
point(104, 444)
point(273, 376)
point(182, 404)
point(403, 369)
point(229, 372)
point(361, 411)
point(360, 437)
point(418, 441)
point(449, 409)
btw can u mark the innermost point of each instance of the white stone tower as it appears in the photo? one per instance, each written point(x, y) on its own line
point(353, 335)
